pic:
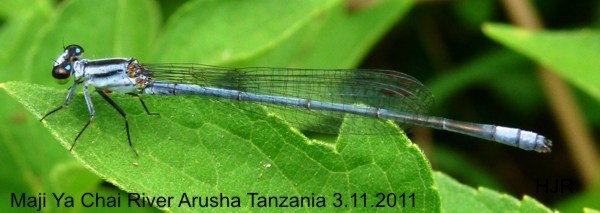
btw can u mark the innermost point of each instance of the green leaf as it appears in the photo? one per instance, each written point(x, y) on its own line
point(338, 38)
point(460, 198)
point(213, 32)
point(204, 147)
point(571, 54)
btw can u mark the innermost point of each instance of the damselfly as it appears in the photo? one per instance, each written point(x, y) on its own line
point(315, 94)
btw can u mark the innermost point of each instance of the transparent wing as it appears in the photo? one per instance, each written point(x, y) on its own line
point(386, 89)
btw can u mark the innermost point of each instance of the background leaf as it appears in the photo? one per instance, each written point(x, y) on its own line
point(571, 54)
point(340, 36)
point(213, 31)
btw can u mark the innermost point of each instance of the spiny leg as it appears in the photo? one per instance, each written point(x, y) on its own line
point(144, 105)
point(81, 132)
point(91, 110)
point(123, 114)
point(64, 105)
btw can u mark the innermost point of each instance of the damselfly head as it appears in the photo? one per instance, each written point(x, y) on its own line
point(62, 72)
point(63, 65)
point(74, 51)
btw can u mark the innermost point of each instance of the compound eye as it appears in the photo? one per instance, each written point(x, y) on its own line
point(61, 72)
point(74, 50)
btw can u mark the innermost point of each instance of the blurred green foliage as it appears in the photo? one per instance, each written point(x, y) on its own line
point(441, 43)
